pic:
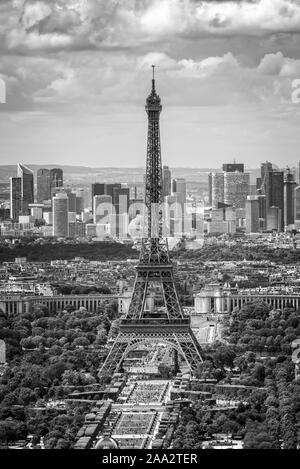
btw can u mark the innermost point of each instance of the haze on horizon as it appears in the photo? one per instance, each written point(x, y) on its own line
point(78, 73)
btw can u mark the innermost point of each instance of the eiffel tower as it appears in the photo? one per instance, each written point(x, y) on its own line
point(167, 325)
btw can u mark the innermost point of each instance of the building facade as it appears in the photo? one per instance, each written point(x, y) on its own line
point(217, 189)
point(289, 198)
point(236, 188)
point(43, 185)
point(166, 181)
point(27, 187)
point(60, 209)
point(215, 299)
point(15, 198)
point(252, 215)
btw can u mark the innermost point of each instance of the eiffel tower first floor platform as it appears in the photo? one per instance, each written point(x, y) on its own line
point(175, 333)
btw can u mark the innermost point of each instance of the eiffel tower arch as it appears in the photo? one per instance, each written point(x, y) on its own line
point(168, 324)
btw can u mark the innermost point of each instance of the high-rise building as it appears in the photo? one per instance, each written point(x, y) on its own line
point(102, 207)
point(262, 211)
point(15, 198)
point(166, 181)
point(264, 181)
point(271, 185)
point(217, 189)
point(289, 198)
point(43, 185)
point(27, 187)
point(274, 219)
point(276, 195)
point(85, 193)
point(79, 204)
point(121, 199)
point(210, 189)
point(48, 181)
point(236, 188)
point(60, 208)
point(265, 168)
point(252, 215)
point(110, 188)
point(72, 201)
point(297, 208)
point(56, 178)
point(179, 189)
point(121, 203)
point(233, 167)
point(98, 189)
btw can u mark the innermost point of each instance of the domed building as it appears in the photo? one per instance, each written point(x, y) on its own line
point(107, 442)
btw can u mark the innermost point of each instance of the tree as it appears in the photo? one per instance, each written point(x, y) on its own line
point(164, 370)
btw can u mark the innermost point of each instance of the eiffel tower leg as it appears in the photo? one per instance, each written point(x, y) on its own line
point(138, 299)
point(175, 360)
point(115, 356)
point(171, 299)
point(190, 349)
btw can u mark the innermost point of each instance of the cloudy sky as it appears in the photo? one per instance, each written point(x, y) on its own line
point(78, 72)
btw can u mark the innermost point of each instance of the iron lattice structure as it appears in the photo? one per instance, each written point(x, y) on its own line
point(167, 325)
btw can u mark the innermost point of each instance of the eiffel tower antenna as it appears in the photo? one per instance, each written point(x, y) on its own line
point(168, 325)
point(153, 77)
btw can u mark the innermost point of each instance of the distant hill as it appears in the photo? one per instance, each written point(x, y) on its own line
point(87, 174)
point(84, 175)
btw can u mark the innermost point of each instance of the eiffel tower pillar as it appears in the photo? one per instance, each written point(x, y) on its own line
point(175, 361)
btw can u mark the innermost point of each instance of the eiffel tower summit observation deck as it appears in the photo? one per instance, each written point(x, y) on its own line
point(165, 325)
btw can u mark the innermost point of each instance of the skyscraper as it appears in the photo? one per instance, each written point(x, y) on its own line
point(233, 167)
point(210, 189)
point(264, 181)
point(27, 187)
point(274, 219)
point(217, 189)
point(262, 211)
point(72, 201)
point(236, 188)
point(276, 195)
point(43, 185)
point(48, 180)
point(121, 199)
point(110, 190)
point(289, 198)
point(15, 198)
point(252, 215)
point(79, 204)
point(121, 203)
point(179, 190)
point(60, 208)
point(56, 179)
point(102, 207)
point(297, 207)
point(271, 185)
point(98, 189)
point(166, 181)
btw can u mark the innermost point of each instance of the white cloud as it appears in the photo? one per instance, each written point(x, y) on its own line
point(160, 59)
point(100, 24)
point(34, 13)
